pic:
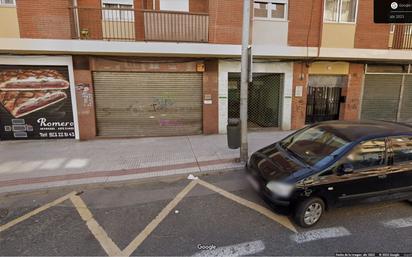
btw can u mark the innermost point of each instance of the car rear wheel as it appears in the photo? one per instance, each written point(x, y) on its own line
point(309, 212)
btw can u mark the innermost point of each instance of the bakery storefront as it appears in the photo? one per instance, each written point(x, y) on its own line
point(36, 100)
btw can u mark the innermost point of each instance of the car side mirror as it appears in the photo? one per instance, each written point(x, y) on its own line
point(345, 168)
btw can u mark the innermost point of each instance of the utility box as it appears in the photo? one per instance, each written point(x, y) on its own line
point(233, 133)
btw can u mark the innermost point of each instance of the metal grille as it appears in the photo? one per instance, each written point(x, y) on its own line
point(323, 98)
point(175, 26)
point(381, 97)
point(263, 99)
point(323, 104)
point(402, 36)
point(132, 104)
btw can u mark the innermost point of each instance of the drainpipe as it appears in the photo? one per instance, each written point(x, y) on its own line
point(76, 18)
point(321, 27)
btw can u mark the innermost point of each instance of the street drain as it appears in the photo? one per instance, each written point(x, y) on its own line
point(3, 213)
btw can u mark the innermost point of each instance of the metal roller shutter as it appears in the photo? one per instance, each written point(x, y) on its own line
point(406, 107)
point(381, 97)
point(148, 104)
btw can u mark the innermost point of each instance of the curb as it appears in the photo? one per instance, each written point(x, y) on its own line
point(109, 177)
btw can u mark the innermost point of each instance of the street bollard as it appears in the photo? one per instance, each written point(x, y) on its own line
point(233, 133)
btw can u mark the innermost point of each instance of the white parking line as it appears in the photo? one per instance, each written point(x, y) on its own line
point(248, 248)
point(319, 234)
point(398, 223)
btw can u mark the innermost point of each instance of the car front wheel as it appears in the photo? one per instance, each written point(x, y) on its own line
point(309, 212)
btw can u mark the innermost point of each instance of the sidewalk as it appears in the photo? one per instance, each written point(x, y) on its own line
point(28, 165)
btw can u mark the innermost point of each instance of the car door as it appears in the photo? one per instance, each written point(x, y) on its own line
point(400, 171)
point(368, 179)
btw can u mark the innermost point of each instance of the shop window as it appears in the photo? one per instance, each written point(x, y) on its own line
point(270, 10)
point(340, 11)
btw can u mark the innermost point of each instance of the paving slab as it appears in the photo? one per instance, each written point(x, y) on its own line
point(53, 163)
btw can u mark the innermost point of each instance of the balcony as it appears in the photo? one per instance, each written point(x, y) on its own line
point(401, 36)
point(116, 24)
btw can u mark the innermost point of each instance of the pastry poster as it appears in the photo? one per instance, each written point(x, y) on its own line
point(35, 103)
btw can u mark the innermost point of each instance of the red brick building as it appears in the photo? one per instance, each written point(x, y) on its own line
point(140, 68)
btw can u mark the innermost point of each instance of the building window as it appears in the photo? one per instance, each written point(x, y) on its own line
point(342, 11)
point(271, 10)
point(174, 5)
point(7, 2)
point(115, 11)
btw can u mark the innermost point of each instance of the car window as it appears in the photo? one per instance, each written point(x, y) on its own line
point(367, 154)
point(314, 144)
point(402, 149)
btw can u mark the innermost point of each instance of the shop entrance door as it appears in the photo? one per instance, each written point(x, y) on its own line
point(264, 99)
point(324, 98)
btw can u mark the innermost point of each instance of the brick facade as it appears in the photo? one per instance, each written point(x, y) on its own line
point(44, 19)
point(348, 110)
point(351, 108)
point(90, 17)
point(200, 6)
point(136, 64)
point(300, 78)
point(139, 20)
point(52, 19)
point(368, 34)
point(225, 21)
point(210, 87)
point(85, 103)
point(305, 22)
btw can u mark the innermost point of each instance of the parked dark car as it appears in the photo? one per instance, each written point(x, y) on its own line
point(334, 163)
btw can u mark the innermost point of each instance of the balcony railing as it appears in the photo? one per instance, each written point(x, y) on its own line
point(139, 25)
point(176, 26)
point(401, 36)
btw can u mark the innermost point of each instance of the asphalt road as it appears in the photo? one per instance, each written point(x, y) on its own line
point(181, 217)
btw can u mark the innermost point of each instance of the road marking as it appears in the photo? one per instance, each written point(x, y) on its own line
point(318, 234)
point(99, 233)
point(399, 223)
point(36, 211)
point(282, 220)
point(113, 250)
point(248, 248)
point(156, 221)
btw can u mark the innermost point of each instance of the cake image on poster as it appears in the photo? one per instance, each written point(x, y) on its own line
point(26, 91)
